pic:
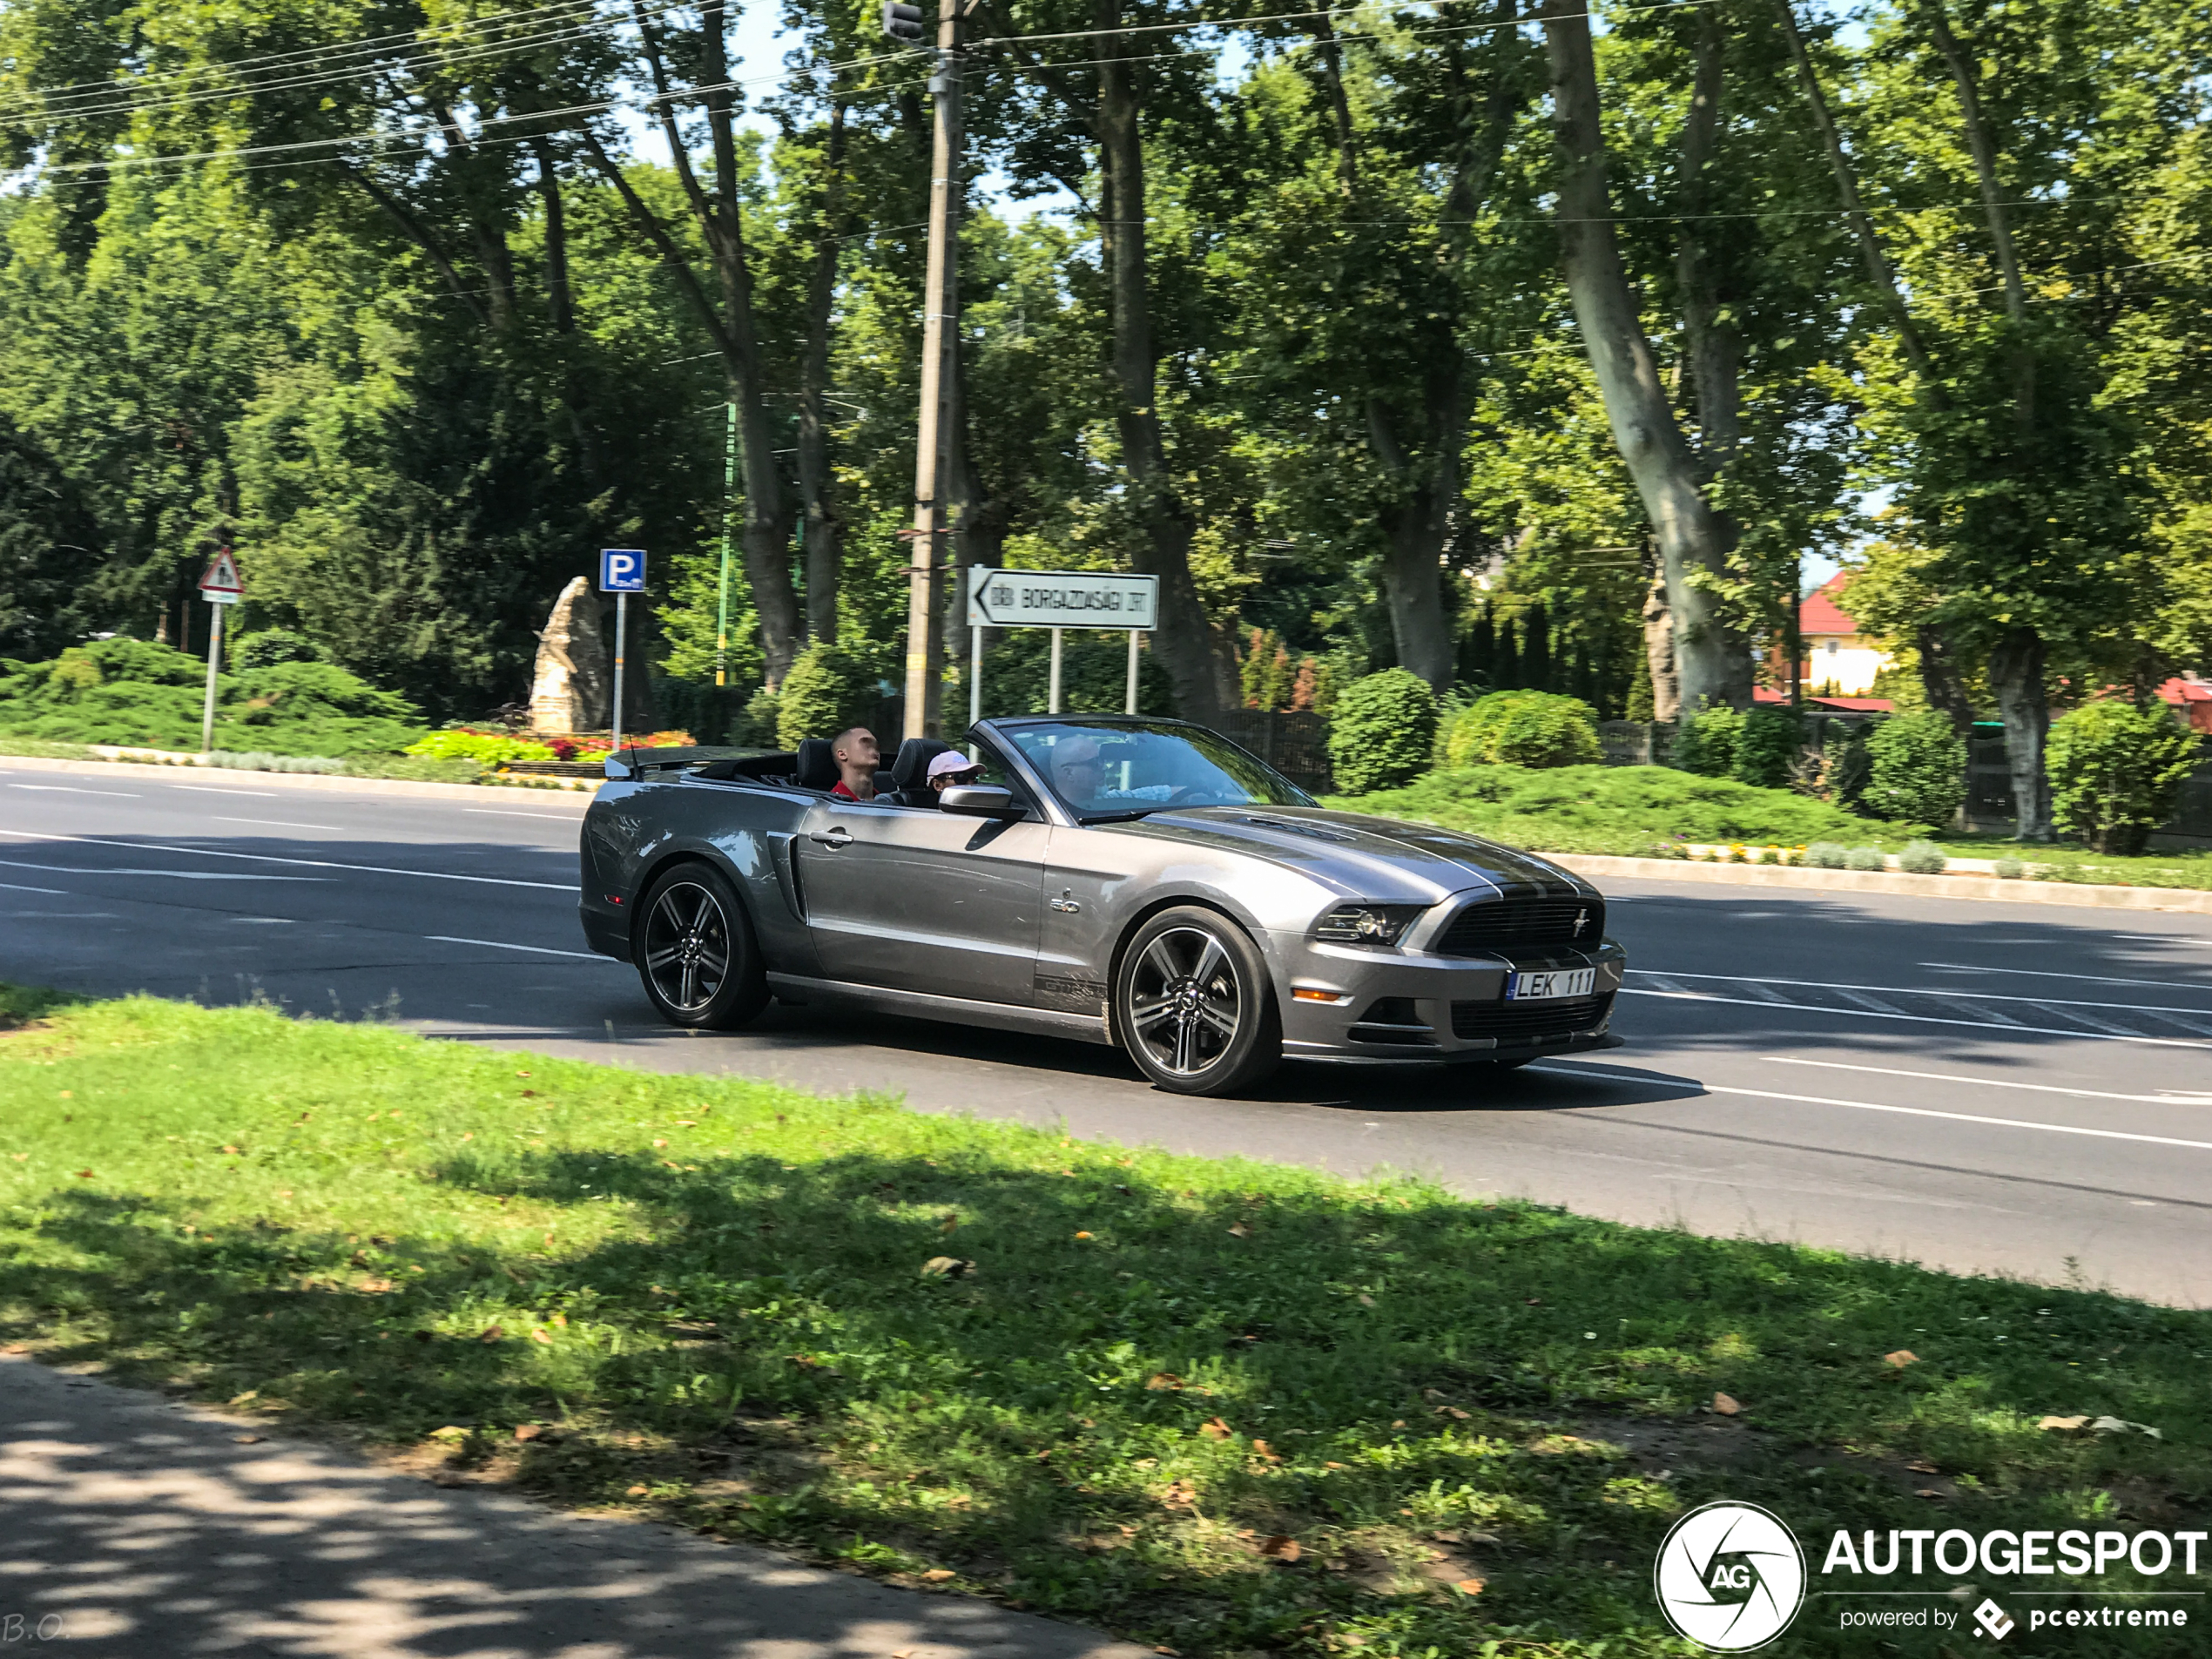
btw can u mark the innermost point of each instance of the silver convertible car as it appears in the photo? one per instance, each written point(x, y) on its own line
point(1135, 882)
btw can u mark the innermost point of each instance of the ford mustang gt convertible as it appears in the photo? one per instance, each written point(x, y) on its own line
point(1135, 882)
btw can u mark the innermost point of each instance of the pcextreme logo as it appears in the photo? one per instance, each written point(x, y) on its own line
point(1730, 1576)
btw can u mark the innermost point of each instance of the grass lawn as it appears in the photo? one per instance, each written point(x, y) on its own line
point(1225, 1407)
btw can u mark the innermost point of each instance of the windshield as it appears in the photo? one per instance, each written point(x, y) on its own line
point(1122, 770)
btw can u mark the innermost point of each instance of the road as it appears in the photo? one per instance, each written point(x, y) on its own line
point(2022, 1090)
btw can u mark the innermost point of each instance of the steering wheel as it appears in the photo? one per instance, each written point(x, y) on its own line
point(1176, 798)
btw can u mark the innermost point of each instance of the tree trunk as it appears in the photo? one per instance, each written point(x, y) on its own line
point(1714, 664)
point(2016, 676)
point(1940, 679)
point(1203, 671)
point(1715, 346)
point(1659, 652)
point(825, 531)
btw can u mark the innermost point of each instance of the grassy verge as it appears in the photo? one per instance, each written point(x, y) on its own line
point(1222, 1406)
point(2062, 863)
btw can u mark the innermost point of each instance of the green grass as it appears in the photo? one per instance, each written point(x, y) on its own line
point(1639, 812)
point(2060, 862)
point(709, 1296)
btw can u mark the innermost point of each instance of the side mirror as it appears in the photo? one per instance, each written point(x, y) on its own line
point(980, 800)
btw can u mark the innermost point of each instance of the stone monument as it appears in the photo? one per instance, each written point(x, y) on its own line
point(572, 688)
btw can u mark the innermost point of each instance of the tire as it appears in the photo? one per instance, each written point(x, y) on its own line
point(1193, 1004)
point(696, 952)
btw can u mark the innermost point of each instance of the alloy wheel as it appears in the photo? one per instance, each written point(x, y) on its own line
point(1185, 1004)
point(687, 946)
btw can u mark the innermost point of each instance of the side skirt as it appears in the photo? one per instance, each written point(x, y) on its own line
point(953, 1010)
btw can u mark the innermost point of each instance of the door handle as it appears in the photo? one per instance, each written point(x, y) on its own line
point(1066, 901)
point(839, 837)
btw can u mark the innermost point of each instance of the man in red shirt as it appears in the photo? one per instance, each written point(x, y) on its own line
point(857, 759)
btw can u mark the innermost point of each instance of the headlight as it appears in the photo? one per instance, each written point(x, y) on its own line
point(1367, 924)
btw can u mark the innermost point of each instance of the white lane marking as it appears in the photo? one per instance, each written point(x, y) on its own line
point(166, 875)
point(2092, 979)
point(283, 823)
point(509, 811)
point(270, 858)
point(2172, 1097)
point(71, 789)
point(1862, 1001)
point(225, 789)
point(1995, 1018)
point(1920, 990)
point(57, 893)
point(1917, 1019)
point(1923, 1111)
point(267, 921)
point(501, 944)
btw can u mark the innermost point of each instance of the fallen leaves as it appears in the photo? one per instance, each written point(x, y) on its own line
point(1239, 1231)
point(1921, 1465)
point(83, 1175)
point(450, 1433)
point(1160, 1381)
point(539, 1333)
point(1265, 1452)
point(247, 1440)
point(939, 1575)
point(1900, 1358)
point(491, 1333)
point(1727, 1405)
point(1179, 1494)
point(1468, 1587)
point(1214, 1429)
point(374, 1286)
point(1082, 1235)
point(637, 1492)
point(1281, 1548)
point(947, 1267)
point(529, 1430)
point(2097, 1426)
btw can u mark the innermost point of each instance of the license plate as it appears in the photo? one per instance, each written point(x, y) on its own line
point(1540, 987)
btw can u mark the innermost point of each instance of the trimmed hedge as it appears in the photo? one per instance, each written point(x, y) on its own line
point(1381, 732)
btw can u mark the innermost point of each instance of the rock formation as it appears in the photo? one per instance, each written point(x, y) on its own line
point(572, 689)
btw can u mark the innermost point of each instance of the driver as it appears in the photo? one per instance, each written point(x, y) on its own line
point(1079, 770)
point(857, 759)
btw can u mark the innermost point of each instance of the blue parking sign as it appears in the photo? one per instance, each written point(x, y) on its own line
point(622, 570)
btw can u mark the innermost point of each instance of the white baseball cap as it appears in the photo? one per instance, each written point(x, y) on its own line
point(949, 763)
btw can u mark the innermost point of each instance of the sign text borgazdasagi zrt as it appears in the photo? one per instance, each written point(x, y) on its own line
point(1060, 599)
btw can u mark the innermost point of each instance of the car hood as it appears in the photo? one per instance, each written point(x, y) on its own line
point(1380, 858)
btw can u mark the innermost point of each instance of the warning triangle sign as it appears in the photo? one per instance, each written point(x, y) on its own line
point(222, 575)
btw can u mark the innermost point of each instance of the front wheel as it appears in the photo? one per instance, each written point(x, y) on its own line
point(696, 952)
point(1193, 1005)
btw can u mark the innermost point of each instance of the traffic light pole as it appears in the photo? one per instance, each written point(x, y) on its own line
point(941, 337)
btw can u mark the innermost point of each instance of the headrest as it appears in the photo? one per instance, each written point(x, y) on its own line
point(910, 770)
point(817, 767)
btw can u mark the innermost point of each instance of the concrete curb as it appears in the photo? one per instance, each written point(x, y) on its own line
point(310, 781)
point(2082, 895)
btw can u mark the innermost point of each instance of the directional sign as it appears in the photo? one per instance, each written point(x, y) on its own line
point(622, 570)
point(221, 584)
point(1060, 599)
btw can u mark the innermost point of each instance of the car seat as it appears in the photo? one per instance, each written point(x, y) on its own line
point(910, 772)
point(817, 767)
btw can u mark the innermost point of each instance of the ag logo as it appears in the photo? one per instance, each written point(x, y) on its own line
point(1729, 1576)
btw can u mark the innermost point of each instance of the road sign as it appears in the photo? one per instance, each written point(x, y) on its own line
point(1060, 599)
point(221, 584)
point(622, 570)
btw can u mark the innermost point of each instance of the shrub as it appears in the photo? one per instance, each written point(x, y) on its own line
point(1866, 857)
point(485, 748)
point(1705, 743)
point(1917, 769)
point(272, 646)
point(1524, 729)
point(1380, 733)
point(1844, 771)
point(826, 690)
point(1767, 742)
point(1923, 858)
point(2010, 870)
point(755, 728)
point(2115, 772)
point(1826, 855)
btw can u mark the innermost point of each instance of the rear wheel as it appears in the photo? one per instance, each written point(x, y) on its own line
point(1194, 1006)
point(695, 951)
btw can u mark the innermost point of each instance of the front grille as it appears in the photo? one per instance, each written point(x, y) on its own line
point(1525, 1022)
point(1519, 923)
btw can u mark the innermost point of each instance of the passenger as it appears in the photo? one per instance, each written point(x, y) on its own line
point(952, 770)
point(857, 760)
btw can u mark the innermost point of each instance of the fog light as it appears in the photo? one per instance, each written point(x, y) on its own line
point(1305, 993)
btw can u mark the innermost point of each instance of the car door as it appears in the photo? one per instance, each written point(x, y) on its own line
point(1089, 877)
point(920, 900)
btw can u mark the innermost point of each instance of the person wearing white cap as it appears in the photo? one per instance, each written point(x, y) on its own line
point(951, 770)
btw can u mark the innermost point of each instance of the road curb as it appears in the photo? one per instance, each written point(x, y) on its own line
point(2081, 895)
point(309, 781)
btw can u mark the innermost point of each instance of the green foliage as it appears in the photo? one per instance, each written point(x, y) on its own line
point(1844, 768)
point(270, 646)
point(2116, 772)
point(757, 725)
point(1524, 729)
point(485, 748)
point(1826, 855)
point(1094, 675)
point(1767, 746)
point(826, 690)
point(1922, 858)
point(50, 546)
point(1381, 732)
point(1917, 768)
point(762, 1272)
point(2009, 869)
point(1866, 857)
point(1705, 742)
point(1635, 811)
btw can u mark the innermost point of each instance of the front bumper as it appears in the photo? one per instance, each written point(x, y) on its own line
point(1399, 1007)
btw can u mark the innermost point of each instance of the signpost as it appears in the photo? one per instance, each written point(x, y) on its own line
point(1057, 600)
point(622, 572)
point(220, 586)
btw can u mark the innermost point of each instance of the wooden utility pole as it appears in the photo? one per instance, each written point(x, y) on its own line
point(940, 338)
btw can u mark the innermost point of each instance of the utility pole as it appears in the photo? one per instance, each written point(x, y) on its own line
point(722, 589)
point(941, 338)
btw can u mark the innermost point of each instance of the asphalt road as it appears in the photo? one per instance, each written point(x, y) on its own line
point(2023, 1090)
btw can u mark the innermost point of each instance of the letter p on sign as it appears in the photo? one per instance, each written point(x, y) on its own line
point(622, 570)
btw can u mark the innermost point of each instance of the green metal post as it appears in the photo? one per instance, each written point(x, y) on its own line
point(722, 594)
